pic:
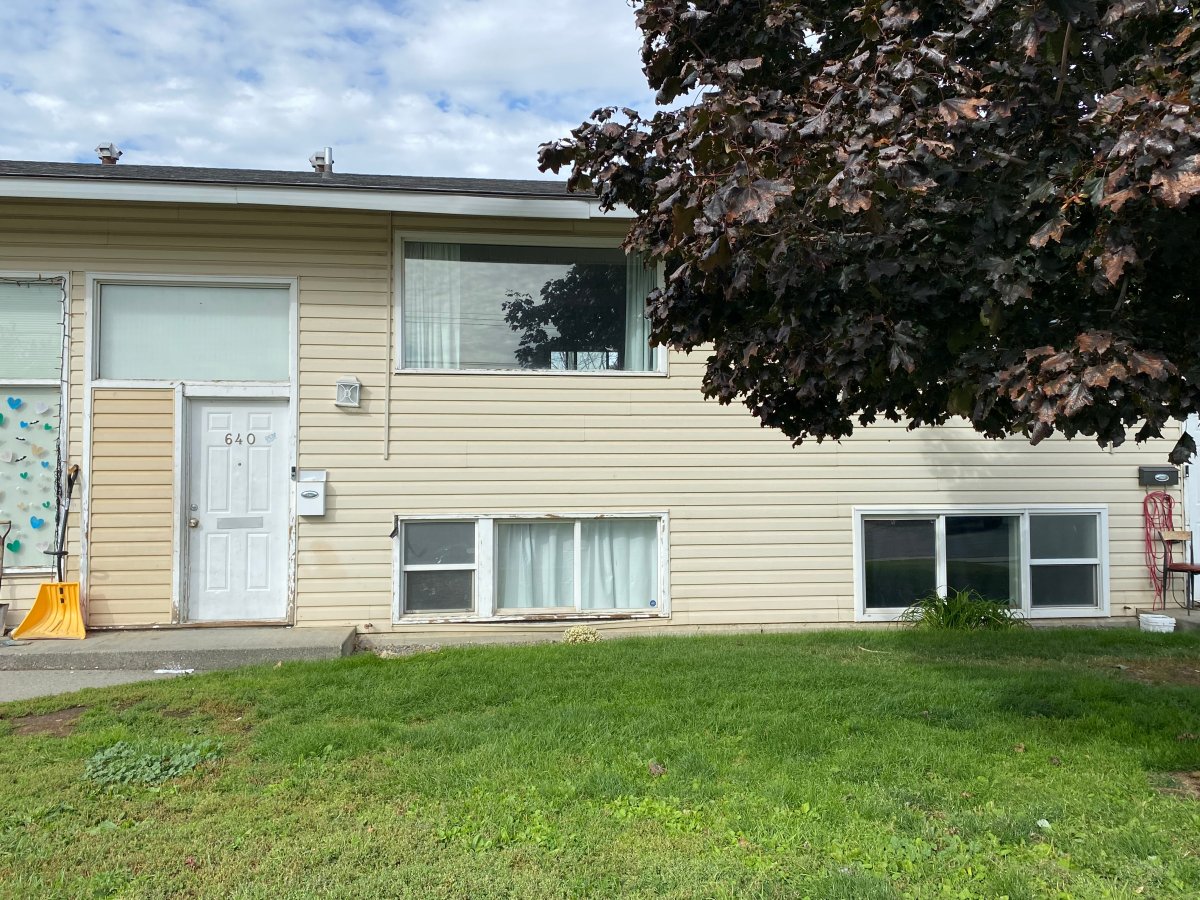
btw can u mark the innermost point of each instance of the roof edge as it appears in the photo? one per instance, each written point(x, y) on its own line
point(405, 200)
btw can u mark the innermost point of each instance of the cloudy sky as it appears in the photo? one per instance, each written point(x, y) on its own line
point(416, 87)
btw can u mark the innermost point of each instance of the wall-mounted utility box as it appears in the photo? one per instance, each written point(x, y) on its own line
point(1158, 476)
point(310, 492)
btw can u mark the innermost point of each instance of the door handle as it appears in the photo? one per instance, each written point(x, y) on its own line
point(193, 523)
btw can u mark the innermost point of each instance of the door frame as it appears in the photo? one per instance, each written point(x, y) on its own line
point(182, 390)
point(180, 549)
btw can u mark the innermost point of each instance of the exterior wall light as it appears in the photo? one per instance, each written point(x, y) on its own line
point(349, 392)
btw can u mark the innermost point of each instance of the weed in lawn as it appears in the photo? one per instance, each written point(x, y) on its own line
point(124, 763)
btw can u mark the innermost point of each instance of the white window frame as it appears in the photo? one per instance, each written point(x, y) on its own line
point(62, 459)
point(404, 568)
point(485, 572)
point(660, 369)
point(96, 282)
point(1024, 512)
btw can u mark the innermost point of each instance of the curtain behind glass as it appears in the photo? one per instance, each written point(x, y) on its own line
point(620, 563)
point(535, 564)
point(31, 324)
point(640, 280)
point(432, 305)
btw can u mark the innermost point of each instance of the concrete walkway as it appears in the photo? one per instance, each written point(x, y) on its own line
point(48, 682)
point(39, 668)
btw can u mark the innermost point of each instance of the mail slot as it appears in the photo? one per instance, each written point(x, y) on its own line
point(310, 492)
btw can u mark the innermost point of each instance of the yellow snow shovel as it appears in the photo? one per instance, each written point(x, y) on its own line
point(55, 612)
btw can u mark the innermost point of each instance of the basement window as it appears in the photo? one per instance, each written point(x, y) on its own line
point(530, 566)
point(1043, 561)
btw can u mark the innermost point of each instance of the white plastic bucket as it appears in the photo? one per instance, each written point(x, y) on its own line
point(1152, 622)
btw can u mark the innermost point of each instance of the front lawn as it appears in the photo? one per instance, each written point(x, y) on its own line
point(852, 764)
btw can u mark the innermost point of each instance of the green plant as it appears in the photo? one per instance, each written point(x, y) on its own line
point(125, 763)
point(581, 634)
point(962, 611)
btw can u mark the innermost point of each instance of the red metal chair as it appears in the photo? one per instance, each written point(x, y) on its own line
point(1189, 569)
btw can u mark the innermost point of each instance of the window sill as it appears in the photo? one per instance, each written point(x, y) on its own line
point(28, 571)
point(554, 373)
point(1042, 612)
point(531, 618)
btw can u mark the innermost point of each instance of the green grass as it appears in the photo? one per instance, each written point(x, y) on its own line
point(795, 765)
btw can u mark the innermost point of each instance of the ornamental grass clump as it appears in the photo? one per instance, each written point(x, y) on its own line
point(962, 611)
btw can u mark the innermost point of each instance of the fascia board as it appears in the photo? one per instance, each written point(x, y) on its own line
point(321, 198)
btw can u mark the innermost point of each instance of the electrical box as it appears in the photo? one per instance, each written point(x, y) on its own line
point(1158, 476)
point(310, 492)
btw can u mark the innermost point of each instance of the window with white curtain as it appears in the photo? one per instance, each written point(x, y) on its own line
point(507, 307)
point(1041, 561)
point(194, 332)
point(32, 316)
point(529, 566)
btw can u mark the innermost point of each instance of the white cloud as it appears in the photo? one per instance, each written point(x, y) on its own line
point(418, 87)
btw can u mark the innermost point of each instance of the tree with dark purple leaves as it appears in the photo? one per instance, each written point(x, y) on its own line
point(920, 210)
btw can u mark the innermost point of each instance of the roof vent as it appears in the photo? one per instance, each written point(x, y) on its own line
point(109, 154)
point(322, 160)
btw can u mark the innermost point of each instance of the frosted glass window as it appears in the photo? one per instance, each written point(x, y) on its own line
point(31, 330)
point(194, 332)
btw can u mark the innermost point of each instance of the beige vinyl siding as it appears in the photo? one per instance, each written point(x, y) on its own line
point(760, 532)
point(132, 508)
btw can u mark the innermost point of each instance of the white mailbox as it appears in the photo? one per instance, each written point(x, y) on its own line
point(310, 492)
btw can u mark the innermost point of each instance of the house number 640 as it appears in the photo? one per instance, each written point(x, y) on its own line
point(237, 438)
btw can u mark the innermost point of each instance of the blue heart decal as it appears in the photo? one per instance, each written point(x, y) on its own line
point(45, 464)
point(36, 522)
point(15, 402)
point(24, 424)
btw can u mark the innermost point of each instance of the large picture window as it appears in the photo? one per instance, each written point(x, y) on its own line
point(531, 566)
point(1041, 561)
point(503, 307)
point(32, 315)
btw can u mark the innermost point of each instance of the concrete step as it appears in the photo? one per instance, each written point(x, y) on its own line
point(201, 649)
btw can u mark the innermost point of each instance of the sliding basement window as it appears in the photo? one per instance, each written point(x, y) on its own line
point(1045, 562)
point(531, 566)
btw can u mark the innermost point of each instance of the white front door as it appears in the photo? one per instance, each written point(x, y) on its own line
point(236, 511)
